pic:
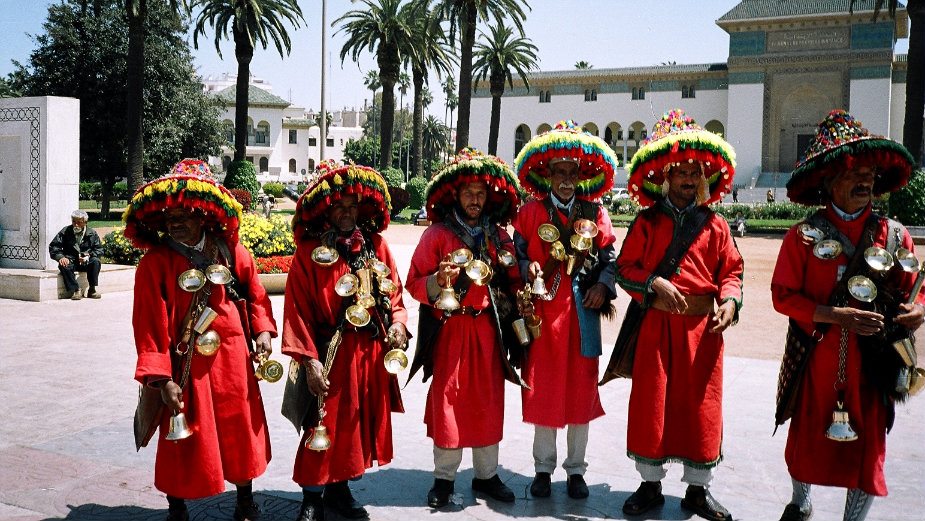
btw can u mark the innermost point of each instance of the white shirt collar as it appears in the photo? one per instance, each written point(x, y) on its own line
point(559, 204)
point(845, 216)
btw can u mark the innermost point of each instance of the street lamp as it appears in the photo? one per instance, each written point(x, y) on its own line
point(324, 58)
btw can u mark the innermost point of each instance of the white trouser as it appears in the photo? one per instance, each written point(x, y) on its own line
point(484, 462)
point(544, 449)
point(692, 476)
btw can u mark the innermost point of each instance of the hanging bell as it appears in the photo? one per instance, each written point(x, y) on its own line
point(840, 430)
point(179, 429)
point(539, 286)
point(319, 440)
point(447, 300)
point(208, 343)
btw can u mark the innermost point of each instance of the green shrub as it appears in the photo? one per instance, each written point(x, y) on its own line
point(416, 188)
point(120, 192)
point(118, 250)
point(393, 176)
point(908, 205)
point(89, 191)
point(274, 189)
point(243, 175)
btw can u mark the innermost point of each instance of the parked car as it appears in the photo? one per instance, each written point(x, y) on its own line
point(615, 194)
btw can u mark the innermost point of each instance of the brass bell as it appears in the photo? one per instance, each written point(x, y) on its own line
point(539, 286)
point(324, 255)
point(447, 300)
point(218, 274)
point(191, 280)
point(395, 360)
point(548, 232)
point(208, 343)
point(840, 430)
point(319, 440)
point(357, 315)
point(479, 272)
point(179, 429)
point(269, 370)
point(347, 285)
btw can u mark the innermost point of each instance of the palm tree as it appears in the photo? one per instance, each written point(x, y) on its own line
point(379, 27)
point(464, 15)
point(496, 57)
point(371, 80)
point(404, 83)
point(434, 139)
point(136, 12)
point(583, 65)
point(249, 22)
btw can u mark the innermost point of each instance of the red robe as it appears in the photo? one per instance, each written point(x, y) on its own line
point(676, 402)
point(224, 407)
point(564, 383)
point(362, 393)
point(465, 401)
point(802, 281)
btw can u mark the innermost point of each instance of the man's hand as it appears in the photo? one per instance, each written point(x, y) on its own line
point(172, 395)
point(317, 384)
point(723, 317)
point(263, 346)
point(669, 295)
point(912, 318)
point(534, 270)
point(64, 262)
point(864, 323)
point(447, 273)
point(596, 296)
point(397, 337)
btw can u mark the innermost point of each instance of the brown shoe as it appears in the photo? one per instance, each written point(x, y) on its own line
point(94, 294)
point(698, 500)
point(76, 295)
point(646, 497)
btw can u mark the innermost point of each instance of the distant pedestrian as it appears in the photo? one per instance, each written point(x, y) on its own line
point(735, 194)
point(770, 196)
point(78, 248)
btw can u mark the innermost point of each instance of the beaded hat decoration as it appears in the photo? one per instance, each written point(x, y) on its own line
point(335, 181)
point(191, 186)
point(567, 142)
point(471, 166)
point(677, 139)
point(838, 136)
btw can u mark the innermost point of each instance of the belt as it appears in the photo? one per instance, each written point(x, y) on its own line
point(696, 305)
point(464, 310)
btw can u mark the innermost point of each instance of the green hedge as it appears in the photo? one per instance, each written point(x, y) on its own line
point(416, 188)
point(274, 189)
point(243, 175)
point(393, 176)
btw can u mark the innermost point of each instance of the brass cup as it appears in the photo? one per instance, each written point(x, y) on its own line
point(580, 243)
point(204, 320)
point(218, 274)
point(906, 350)
point(324, 255)
point(548, 232)
point(534, 326)
point(557, 251)
point(907, 261)
point(364, 291)
point(506, 259)
point(208, 343)
point(461, 257)
point(379, 268)
point(810, 234)
point(878, 258)
point(269, 370)
point(586, 228)
point(395, 360)
point(191, 280)
point(347, 285)
point(862, 288)
point(387, 287)
point(479, 272)
point(357, 315)
point(827, 249)
point(917, 381)
point(520, 329)
point(570, 264)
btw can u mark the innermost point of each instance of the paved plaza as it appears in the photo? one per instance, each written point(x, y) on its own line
point(68, 400)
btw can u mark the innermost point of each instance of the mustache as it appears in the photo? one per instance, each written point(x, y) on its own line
point(861, 190)
point(566, 185)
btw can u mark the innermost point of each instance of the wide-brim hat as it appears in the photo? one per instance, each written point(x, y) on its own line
point(677, 139)
point(840, 135)
point(336, 181)
point(567, 142)
point(472, 166)
point(190, 185)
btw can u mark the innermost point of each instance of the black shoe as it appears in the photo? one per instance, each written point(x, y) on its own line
point(541, 486)
point(312, 508)
point(699, 501)
point(178, 515)
point(439, 494)
point(494, 487)
point(337, 497)
point(647, 496)
point(792, 512)
point(246, 510)
point(577, 488)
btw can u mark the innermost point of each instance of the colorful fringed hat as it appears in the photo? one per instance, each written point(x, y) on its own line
point(472, 166)
point(335, 181)
point(190, 185)
point(838, 136)
point(677, 139)
point(567, 142)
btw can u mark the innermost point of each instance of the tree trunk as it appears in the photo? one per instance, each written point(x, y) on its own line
point(105, 196)
point(496, 86)
point(467, 42)
point(134, 102)
point(387, 124)
point(243, 53)
point(915, 81)
point(417, 123)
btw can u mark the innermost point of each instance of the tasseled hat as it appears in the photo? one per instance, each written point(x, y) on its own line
point(471, 166)
point(190, 185)
point(839, 136)
point(678, 139)
point(567, 142)
point(335, 181)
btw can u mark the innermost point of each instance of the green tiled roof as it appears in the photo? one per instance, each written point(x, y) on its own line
point(587, 74)
point(255, 97)
point(754, 9)
point(298, 123)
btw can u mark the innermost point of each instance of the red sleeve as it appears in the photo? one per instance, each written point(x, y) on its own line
point(787, 281)
point(632, 275)
point(150, 321)
point(299, 319)
point(399, 313)
point(424, 263)
point(731, 265)
point(260, 308)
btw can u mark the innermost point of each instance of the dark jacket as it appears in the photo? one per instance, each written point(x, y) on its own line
point(65, 244)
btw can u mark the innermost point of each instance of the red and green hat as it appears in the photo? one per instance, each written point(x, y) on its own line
point(567, 142)
point(677, 139)
point(335, 181)
point(838, 137)
point(473, 166)
point(190, 185)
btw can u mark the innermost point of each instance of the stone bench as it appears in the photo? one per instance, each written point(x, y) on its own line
point(42, 285)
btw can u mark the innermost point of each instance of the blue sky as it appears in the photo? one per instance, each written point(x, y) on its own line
point(606, 33)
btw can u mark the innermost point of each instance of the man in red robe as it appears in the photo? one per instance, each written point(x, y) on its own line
point(462, 342)
point(566, 170)
point(187, 222)
point(854, 368)
point(675, 407)
point(337, 229)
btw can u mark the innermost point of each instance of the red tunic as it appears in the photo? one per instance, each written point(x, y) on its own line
point(564, 383)
point(802, 281)
point(362, 393)
point(224, 407)
point(676, 402)
point(465, 402)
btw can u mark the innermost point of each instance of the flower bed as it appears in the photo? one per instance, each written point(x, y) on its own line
point(278, 264)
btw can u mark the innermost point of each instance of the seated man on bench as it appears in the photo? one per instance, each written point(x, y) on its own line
point(78, 248)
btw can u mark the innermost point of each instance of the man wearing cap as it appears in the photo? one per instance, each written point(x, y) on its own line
point(78, 248)
point(465, 317)
point(681, 266)
point(343, 311)
point(845, 365)
point(564, 242)
point(195, 268)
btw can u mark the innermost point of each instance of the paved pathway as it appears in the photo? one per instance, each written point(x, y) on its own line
point(68, 399)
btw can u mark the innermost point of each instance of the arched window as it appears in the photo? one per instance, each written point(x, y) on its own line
point(250, 131)
point(690, 92)
point(548, 96)
point(264, 164)
point(642, 93)
point(684, 91)
point(608, 136)
point(262, 134)
point(542, 96)
point(311, 165)
point(594, 95)
point(292, 166)
point(587, 95)
point(635, 94)
point(228, 128)
point(521, 136)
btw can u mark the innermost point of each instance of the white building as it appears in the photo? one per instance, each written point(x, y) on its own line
point(789, 64)
point(282, 138)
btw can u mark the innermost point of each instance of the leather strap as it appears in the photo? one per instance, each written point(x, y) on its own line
point(696, 305)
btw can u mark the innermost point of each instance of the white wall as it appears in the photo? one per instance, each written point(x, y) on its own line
point(897, 111)
point(744, 131)
point(870, 103)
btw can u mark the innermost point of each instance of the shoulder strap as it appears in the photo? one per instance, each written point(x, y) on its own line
point(682, 240)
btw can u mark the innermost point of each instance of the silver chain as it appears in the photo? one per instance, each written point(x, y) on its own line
point(551, 293)
point(842, 359)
